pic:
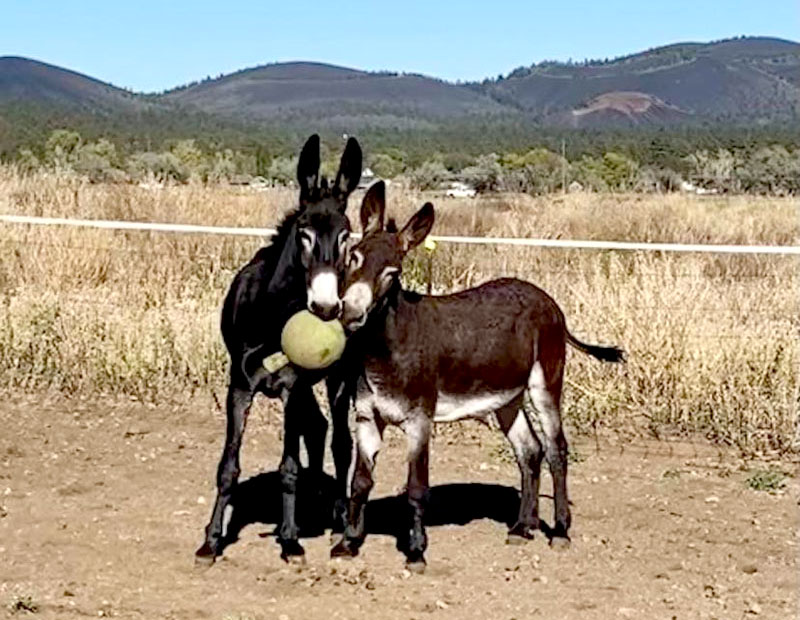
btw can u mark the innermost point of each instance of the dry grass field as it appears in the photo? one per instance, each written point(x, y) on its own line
point(712, 340)
point(111, 360)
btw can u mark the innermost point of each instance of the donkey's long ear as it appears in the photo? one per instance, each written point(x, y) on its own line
point(349, 170)
point(418, 227)
point(308, 169)
point(372, 208)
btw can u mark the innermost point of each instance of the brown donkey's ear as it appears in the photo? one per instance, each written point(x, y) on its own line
point(418, 227)
point(372, 208)
point(349, 170)
point(308, 168)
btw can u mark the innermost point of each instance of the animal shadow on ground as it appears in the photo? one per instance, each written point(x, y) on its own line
point(258, 500)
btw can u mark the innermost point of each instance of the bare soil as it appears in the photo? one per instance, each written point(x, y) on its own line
point(102, 506)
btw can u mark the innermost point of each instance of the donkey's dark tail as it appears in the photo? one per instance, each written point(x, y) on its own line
point(605, 354)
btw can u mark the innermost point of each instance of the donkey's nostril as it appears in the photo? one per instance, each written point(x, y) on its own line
point(326, 313)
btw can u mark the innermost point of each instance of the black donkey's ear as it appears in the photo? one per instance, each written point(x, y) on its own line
point(308, 169)
point(349, 170)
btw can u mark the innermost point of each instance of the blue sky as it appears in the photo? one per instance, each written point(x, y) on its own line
point(149, 46)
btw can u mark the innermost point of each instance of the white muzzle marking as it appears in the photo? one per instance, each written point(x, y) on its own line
point(324, 290)
point(357, 300)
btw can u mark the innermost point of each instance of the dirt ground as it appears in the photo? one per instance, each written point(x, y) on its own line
point(103, 505)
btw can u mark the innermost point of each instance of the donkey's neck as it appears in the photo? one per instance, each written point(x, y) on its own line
point(390, 319)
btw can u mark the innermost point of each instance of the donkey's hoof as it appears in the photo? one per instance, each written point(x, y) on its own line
point(515, 538)
point(560, 543)
point(292, 552)
point(416, 566)
point(520, 534)
point(295, 560)
point(204, 556)
point(343, 550)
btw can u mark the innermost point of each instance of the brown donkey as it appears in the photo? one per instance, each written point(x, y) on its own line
point(443, 358)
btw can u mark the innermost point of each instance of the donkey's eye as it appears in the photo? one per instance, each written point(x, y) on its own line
point(356, 260)
point(307, 238)
point(387, 275)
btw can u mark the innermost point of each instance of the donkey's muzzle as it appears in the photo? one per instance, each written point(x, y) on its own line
point(327, 312)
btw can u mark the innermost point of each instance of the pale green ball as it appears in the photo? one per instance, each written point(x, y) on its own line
point(312, 343)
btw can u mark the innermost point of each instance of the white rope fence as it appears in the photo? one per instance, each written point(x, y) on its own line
point(511, 241)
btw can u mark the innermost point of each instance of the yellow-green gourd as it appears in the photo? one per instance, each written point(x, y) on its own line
point(310, 342)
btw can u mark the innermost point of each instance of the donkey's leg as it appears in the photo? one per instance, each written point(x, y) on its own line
point(528, 451)
point(546, 418)
point(418, 433)
point(237, 406)
point(369, 434)
point(339, 397)
point(314, 430)
point(293, 418)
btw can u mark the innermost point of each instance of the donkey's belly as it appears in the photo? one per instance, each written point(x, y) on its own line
point(452, 407)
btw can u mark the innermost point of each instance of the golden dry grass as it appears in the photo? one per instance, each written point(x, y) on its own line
point(712, 339)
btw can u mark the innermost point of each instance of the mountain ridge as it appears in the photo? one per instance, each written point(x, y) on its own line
point(744, 80)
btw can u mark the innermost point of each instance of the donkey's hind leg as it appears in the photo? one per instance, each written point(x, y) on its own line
point(546, 417)
point(340, 397)
point(237, 406)
point(528, 451)
point(299, 406)
point(314, 430)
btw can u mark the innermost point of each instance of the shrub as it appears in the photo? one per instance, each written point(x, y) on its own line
point(430, 175)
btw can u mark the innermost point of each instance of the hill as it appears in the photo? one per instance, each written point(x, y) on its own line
point(751, 79)
point(738, 84)
point(28, 81)
point(320, 90)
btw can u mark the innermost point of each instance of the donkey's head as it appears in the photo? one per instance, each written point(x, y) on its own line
point(322, 228)
point(375, 264)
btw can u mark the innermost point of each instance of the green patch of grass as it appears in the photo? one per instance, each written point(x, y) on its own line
point(769, 480)
point(673, 473)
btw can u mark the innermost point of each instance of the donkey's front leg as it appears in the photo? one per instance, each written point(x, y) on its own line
point(237, 406)
point(369, 433)
point(418, 432)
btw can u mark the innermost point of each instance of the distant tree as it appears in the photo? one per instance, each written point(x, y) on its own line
point(28, 162)
point(223, 167)
point(619, 171)
point(192, 160)
point(283, 170)
point(61, 147)
point(537, 171)
point(485, 175)
point(432, 174)
point(98, 162)
point(714, 170)
point(385, 166)
point(161, 166)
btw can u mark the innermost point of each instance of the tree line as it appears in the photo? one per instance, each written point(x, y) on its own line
point(609, 162)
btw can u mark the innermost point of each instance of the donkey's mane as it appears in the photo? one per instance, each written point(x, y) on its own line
point(271, 253)
point(391, 225)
